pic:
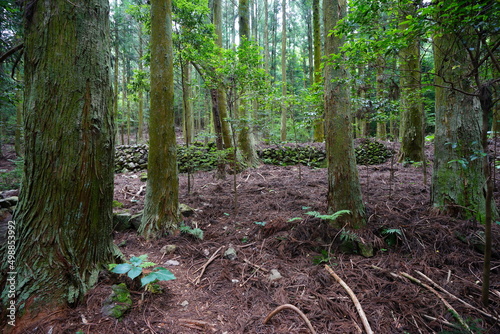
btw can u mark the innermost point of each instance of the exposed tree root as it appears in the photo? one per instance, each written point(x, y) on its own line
point(293, 308)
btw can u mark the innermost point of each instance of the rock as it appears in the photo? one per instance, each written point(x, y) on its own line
point(172, 263)
point(186, 210)
point(365, 249)
point(9, 202)
point(230, 254)
point(168, 249)
point(184, 303)
point(121, 221)
point(118, 302)
point(144, 176)
point(274, 275)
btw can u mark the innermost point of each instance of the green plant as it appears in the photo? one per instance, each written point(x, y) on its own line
point(135, 268)
point(12, 179)
point(195, 232)
point(348, 236)
point(331, 217)
point(323, 257)
point(391, 235)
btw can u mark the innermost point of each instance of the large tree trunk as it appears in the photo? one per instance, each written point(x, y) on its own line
point(64, 216)
point(412, 111)
point(344, 190)
point(162, 191)
point(458, 181)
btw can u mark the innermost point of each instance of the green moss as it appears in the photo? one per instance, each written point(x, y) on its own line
point(117, 204)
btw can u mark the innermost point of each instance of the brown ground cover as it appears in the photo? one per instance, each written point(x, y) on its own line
point(235, 296)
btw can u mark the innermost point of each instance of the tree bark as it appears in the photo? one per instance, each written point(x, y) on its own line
point(283, 71)
point(458, 181)
point(187, 103)
point(64, 216)
point(412, 112)
point(344, 190)
point(319, 124)
point(162, 191)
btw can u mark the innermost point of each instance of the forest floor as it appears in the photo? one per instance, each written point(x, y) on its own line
point(236, 295)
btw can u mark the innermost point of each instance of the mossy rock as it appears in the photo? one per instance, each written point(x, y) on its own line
point(117, 204)
point(118, 302)
point(372, 152)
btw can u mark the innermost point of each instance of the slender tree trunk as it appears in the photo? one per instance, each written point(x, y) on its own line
point(283, 71)
point(412, 112)
point(344, 190)
point(162, 191)
point(221, 94)
point(245, 138)
point(319, 124)
point(187, 103)
point(140, 94)
point(19, 121)
point(266, 36)
point(63, 221)
point(381, 96)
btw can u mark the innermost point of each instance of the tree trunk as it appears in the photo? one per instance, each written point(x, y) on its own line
point(283, 71)
point(162, 191)
point(319, 124)
point(221, 94)
point(187, 103)
point(246, 141)
point(458, 181)
point(381, 122)
point(140, 95)
point(344, 190)
point(412, 111)
point(64, 216)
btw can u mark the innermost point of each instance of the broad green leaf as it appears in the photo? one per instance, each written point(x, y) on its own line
point(162, 274)
point(122, 268)
point(134, 272)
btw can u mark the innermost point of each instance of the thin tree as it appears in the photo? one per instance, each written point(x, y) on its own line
point(162, 191)
point(319, 126)
point(344, 190)
point(63, 219)
point(283, 71)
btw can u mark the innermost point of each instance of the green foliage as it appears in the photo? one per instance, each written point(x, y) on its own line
point(323, 258)
point(134, 268)
point(195, 232)
point(12, 179)
point(347, 236)
point(331, 217)
point(391, 235)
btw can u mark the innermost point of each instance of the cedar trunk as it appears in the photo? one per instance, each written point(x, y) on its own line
point(162, 192)
point(458, 181)
point(344, 190)
point(64, 216)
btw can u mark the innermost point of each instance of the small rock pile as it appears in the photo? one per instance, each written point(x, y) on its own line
point(131, 158)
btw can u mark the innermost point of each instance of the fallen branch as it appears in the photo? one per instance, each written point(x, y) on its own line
point(455, 314)
point(437, 286)
point(256, 266)
point(444, 322)
point(293, 308)
point(202, 268)
point(355, 300)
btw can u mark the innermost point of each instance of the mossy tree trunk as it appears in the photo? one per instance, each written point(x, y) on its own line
point(221, 94)
point(344, 190)
point(284, 106)
point(64, 216)
point(412, 111)
point(458, 181)
point(187, 103)
point(246, 141)
point(162, 190)
point(319, 124)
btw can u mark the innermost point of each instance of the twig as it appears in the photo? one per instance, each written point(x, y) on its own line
point(256, 266)
point(445, 302)
point(456, 298)
point(293, 308)
point(197, 324)
point(355, 300)
point(444, 322)
point(202, 268)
